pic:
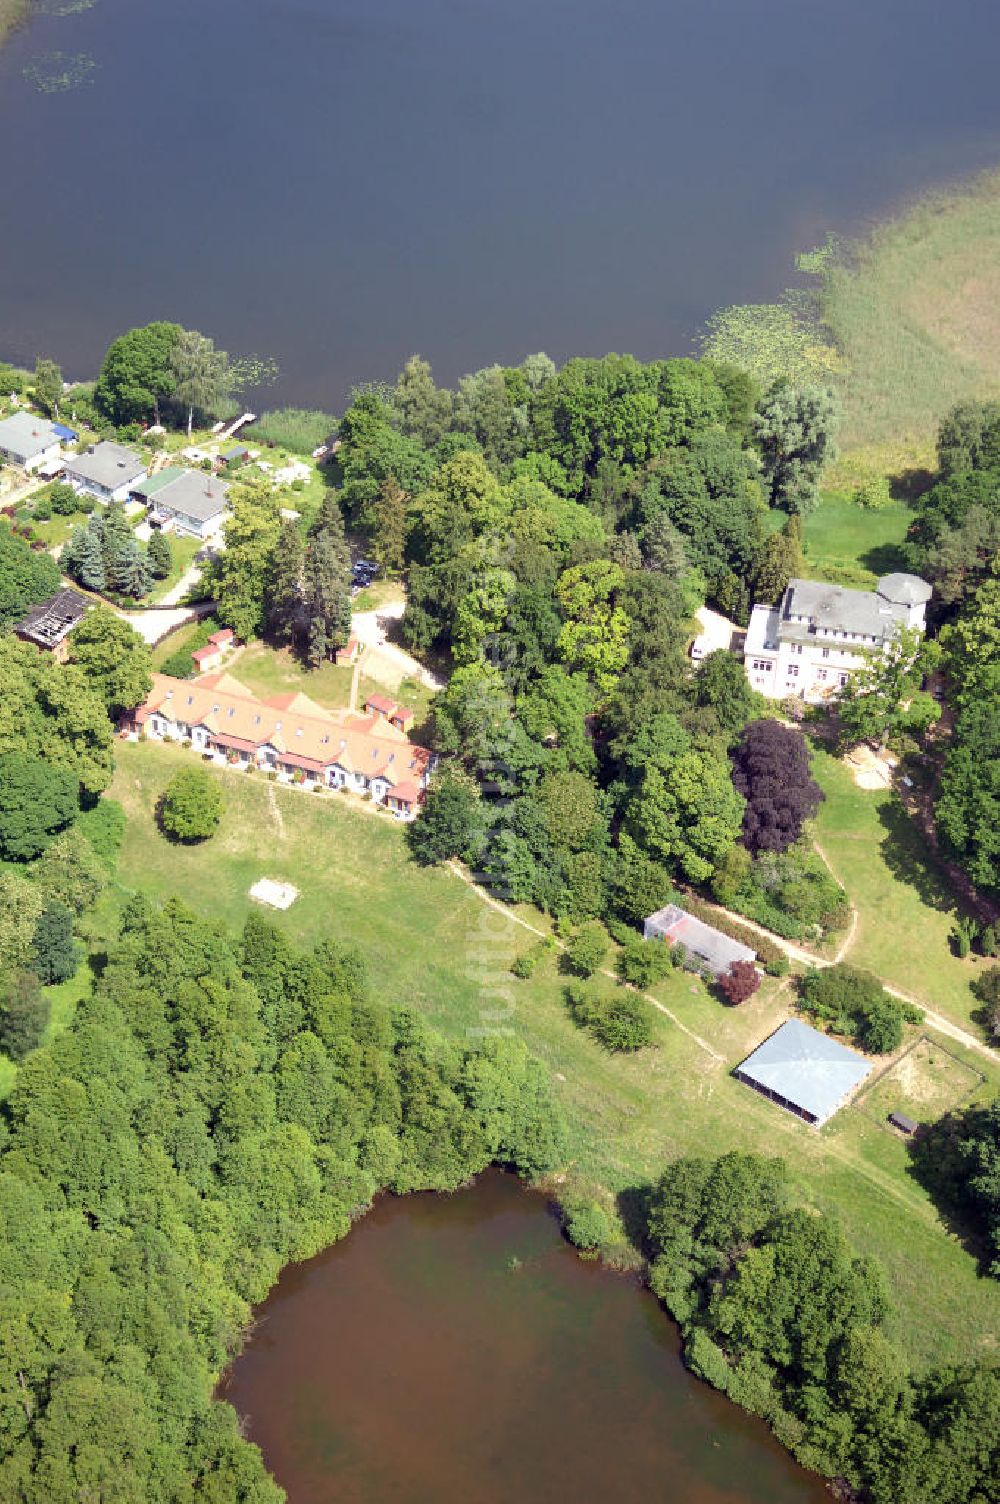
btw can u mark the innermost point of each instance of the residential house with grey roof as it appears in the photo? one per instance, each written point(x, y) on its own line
point(184, 501)
point(108, 471)
point(29, 441)
point(808, 645)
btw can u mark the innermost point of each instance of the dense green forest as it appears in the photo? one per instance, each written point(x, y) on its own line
point(219, 1106)
point(778, 1312)
point(558, 529)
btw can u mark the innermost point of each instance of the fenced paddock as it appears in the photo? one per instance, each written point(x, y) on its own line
point(924, 1082)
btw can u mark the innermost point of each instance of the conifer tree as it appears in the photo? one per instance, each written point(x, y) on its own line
point(83, 556)
point(389, 531)
point(284, 604)
point(159, 555)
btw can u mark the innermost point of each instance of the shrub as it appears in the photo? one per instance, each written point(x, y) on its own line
point(64, 500)
point(740, 982)
point(179, 665)
point(528, 961)
point(643, 963)
point(42, 509)
point(622, 1022)
point(873, 494)
point(587, 1225)
point(587, 949)
point(104, 827)
point(191, 806)
point(855, 1002)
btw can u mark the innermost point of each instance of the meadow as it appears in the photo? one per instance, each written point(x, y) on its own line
point(12, 13)
point(915, 313)
point(434, 944)
point(849, 545)
point(905, 905)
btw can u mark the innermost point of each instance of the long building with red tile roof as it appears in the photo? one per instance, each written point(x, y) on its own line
point(289, 735)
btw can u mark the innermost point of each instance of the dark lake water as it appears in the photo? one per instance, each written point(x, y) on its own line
point(339, 184)
point(415, 1361)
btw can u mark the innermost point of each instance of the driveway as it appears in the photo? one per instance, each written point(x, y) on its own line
point(384, 660)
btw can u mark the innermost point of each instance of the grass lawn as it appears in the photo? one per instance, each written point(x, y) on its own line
point(182, 553)
point(276, 671)
point(63, 999)
point(848, 545)
point(432, 943)
point(905, 905)
point(173, 642)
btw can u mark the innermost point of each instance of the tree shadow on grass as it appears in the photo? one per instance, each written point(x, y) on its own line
point(886, 558)
point(936, 1165)
point(633, 1208)
point(909, 859)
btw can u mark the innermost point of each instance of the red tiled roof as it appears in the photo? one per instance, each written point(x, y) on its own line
point(301, 732)
point(406, 793)
point(380, 703)
point(234, 743)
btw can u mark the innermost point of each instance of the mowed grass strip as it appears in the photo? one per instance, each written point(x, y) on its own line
point(905, 905)
point(849, 545)
point(435, 945)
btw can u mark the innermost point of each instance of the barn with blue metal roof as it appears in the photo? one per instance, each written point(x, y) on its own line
point(803, 1070)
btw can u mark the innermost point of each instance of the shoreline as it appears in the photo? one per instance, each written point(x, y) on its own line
point(13, 14)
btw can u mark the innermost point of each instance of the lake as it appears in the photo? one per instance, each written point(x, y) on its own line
point(338, 185)
point(455, 1348)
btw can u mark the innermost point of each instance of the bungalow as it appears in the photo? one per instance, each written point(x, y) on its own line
point(184, 501)
point(288, 735)
point(108, 471)
point(49, 624)
point(29, 441)
point(211, 655)
point(348, 655)
point(709, 948)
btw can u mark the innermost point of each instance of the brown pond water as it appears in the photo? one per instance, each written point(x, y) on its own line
point(453, 1348)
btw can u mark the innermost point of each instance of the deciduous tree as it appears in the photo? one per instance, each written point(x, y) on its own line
point(137, 375)
point(191, 806)
point(36, 800)
point(24, 1015)
point(114, 660)
point(771, 771)
point(795, 429)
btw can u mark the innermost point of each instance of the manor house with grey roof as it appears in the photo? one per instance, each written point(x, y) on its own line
point(808, 645)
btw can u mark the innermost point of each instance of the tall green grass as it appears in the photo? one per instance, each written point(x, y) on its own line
point(915, 313)
point(299, 429)
point(12, 13)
